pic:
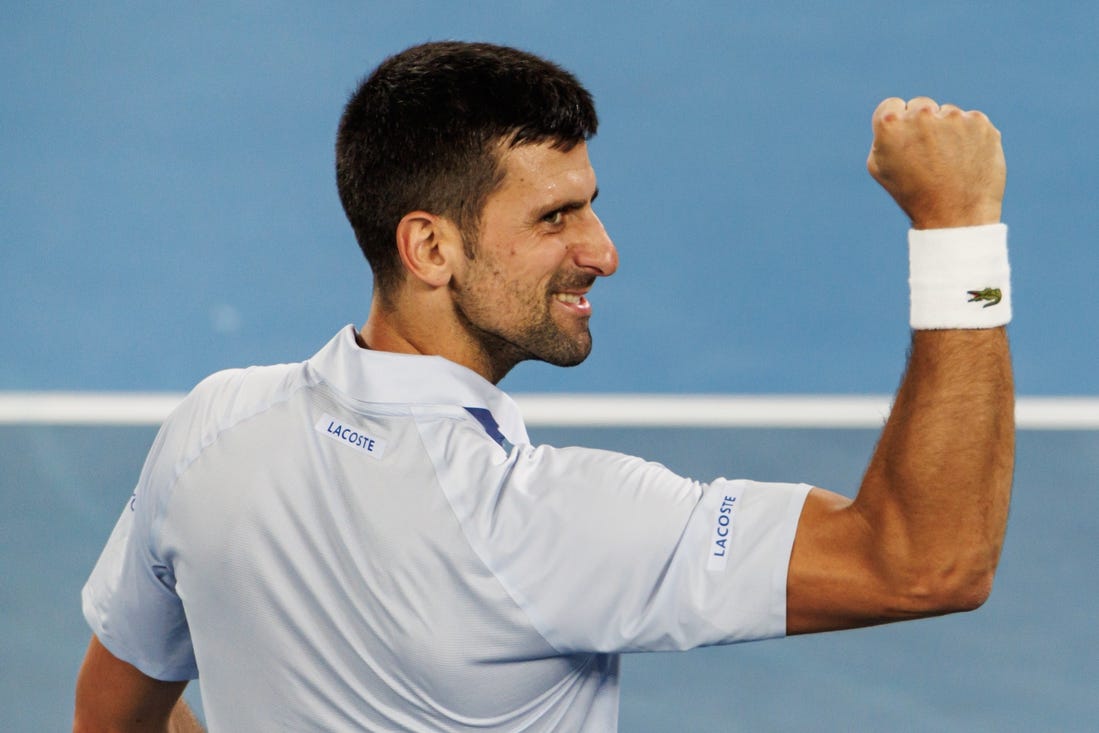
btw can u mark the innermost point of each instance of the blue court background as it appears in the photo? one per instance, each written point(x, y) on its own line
point(168, 201)
point(168, 209)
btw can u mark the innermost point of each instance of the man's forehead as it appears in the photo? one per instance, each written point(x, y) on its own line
point(543, 167)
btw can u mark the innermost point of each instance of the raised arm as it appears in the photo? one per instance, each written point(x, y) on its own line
point(923, 535)
point(114, 696)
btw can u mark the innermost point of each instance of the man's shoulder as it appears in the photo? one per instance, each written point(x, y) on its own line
point(219, 404)
point(230, 396)
point(241, 382)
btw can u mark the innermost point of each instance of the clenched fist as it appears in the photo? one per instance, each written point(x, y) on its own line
point(944, 166)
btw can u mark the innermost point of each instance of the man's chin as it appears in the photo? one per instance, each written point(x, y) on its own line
point(575, 354)
point(566, 362)
point(554, 346)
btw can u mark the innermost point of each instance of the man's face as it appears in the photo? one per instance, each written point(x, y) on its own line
point(541, 246)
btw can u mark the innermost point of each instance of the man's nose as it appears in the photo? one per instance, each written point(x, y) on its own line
point(594, 249)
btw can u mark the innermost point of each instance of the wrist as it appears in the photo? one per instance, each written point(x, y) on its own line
point(989, 214)
point(959, 277)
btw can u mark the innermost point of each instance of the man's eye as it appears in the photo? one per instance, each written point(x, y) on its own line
point(555, 217)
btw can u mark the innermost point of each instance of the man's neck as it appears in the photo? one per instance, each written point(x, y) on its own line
point(417, 328)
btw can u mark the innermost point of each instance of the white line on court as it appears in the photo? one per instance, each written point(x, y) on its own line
point(578, 410)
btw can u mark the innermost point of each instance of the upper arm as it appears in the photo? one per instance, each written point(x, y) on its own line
point(114, 695)
point(835, 581)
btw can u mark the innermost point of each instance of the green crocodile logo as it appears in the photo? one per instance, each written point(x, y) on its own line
point(992, 296)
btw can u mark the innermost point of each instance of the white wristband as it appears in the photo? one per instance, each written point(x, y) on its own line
point(959, 278)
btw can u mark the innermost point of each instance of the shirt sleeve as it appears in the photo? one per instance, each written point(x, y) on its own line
point(130, 600)
point(606, 552)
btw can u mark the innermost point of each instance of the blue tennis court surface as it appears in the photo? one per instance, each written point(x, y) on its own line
point(1026, 661)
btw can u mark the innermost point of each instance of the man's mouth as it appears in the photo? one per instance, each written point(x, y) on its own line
point(575, 301)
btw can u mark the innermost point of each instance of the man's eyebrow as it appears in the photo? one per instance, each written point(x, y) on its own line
point(579, 204)
point(569, 205)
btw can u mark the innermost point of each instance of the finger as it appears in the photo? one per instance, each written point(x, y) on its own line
point(887, 109)
point(978, 115)
point(922, 104)
point(971, 115)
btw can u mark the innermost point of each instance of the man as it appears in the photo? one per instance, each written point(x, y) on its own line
point(367, 540)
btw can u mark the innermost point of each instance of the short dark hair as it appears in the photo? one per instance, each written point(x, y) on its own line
point(423, 133)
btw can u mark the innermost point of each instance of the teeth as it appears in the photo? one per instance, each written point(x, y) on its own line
point(567, 297)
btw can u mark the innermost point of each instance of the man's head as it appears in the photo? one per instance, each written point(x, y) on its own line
point(426, 130)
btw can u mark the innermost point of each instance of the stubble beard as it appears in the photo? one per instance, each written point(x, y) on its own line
point(537, 337)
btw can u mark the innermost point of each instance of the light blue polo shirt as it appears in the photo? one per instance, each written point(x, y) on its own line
point(368, 541)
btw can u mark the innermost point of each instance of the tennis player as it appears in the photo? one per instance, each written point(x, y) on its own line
point(368, 540)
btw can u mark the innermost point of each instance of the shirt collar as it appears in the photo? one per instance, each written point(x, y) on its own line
point(390, 378)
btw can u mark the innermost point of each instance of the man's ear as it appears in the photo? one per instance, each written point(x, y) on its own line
point(428, 244)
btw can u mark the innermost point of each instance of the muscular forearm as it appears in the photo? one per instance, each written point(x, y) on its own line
point(937, 489)
point(923, 534)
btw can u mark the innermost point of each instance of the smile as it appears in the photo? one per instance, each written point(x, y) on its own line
point(573, 300)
